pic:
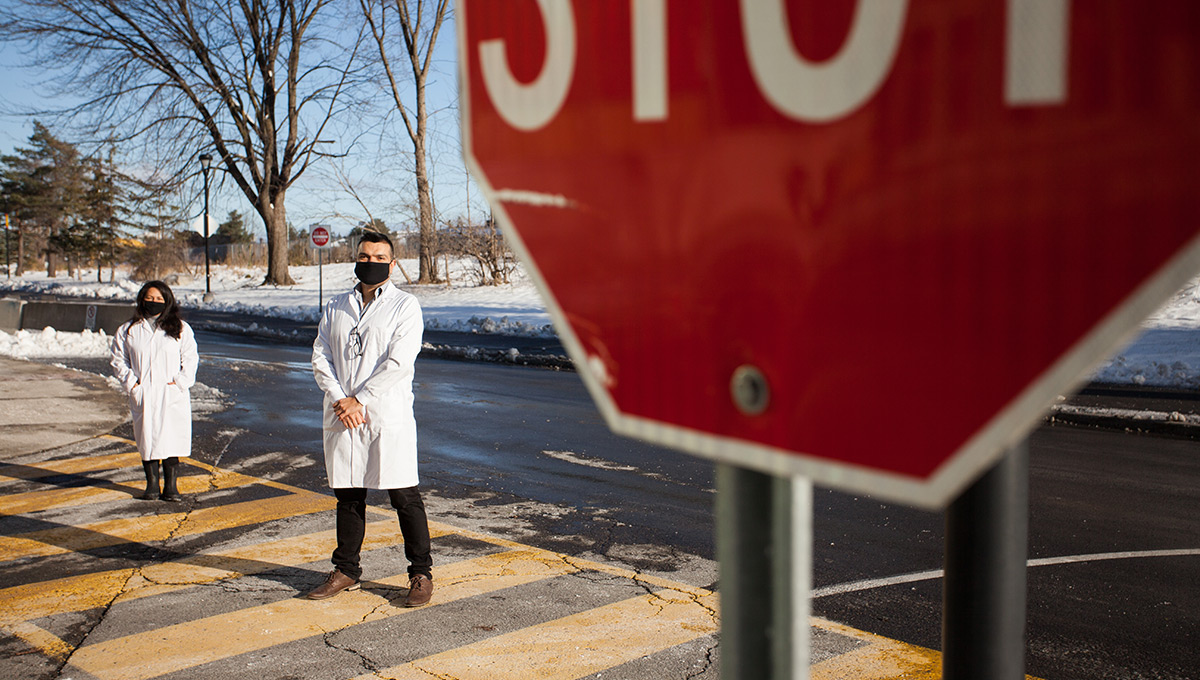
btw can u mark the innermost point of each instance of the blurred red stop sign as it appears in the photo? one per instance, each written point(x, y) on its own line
point(868, 241)
point(320, 236)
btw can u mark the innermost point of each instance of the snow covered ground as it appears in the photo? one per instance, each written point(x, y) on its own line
point(1166, 354)
point(513, 309)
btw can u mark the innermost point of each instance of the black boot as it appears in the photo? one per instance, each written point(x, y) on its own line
point(170, 470)
point(150, 467)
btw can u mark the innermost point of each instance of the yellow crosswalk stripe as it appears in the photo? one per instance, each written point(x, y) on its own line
point(151, 528)
point(137, 657)
point(573, 646)
point(880, 658)
point(51, 468)
point(87, 591)
point(49, 644)
point(103, 492)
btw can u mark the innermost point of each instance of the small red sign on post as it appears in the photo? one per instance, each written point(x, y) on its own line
point(869, 241)
point(320, 236)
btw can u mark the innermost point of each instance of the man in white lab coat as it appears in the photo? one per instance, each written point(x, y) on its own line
point(363, 360)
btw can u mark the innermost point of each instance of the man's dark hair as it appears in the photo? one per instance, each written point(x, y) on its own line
point(377, 237)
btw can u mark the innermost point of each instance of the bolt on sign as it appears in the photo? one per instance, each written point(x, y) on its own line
point(867, 241)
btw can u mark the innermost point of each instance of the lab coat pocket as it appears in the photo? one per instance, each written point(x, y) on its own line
point(178, 396)
point(137, 396)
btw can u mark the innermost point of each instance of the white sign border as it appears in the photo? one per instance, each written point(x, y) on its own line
point(1007, 428)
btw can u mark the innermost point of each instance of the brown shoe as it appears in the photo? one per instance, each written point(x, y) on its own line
point(335, 583)
point(420, 590)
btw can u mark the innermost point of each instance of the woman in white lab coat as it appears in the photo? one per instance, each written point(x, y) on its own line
point(154, 356)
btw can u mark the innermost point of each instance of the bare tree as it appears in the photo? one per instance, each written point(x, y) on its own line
point(418, 22)
point(348, 186)
point(257, 81)
point(484, 243)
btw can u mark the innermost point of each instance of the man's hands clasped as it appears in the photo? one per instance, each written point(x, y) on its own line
point(350, 412)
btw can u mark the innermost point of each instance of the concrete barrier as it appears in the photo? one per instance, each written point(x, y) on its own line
point(75, 316)
point(10, 314)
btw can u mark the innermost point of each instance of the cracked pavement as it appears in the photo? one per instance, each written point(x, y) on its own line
point(193, 590)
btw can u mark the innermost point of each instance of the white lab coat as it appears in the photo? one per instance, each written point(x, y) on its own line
point(145, 359)
point(382, 454)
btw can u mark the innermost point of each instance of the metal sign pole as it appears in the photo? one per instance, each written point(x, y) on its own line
point(983, 609)
point(320, 281)
point(764, 548)
point(7, 266)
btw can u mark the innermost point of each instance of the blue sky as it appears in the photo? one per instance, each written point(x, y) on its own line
point(316, 196)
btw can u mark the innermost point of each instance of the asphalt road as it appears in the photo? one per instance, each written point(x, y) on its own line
point(522, 453)
point(1104, 506)
point(490, 436)
point(1106, 598)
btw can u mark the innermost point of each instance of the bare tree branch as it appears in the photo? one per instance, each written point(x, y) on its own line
point(257, 81)
point(419, 32)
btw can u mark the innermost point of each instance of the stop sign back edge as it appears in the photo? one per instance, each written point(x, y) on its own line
point(1006, 429)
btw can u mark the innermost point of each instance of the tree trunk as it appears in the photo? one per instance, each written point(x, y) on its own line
point(51, 258)
point(275, 219)
point(427, 272)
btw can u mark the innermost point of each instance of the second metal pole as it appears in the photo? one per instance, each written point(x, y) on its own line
point(983, 608)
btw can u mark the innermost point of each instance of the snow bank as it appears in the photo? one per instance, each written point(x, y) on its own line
point(1166, 354)
point(514, 308)
point(49, 343)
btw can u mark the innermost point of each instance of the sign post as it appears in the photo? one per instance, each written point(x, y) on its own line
point(749, 218)
point(320, 238)
point(764, 549)
point(983, 597)
point(205, 225)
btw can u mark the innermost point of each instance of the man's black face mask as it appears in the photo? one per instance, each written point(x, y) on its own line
point(372, 273)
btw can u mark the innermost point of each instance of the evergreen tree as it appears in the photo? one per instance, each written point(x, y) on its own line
point(44, 187)
point(374, 224)
point(233, 230)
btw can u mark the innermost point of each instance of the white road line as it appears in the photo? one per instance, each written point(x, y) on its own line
point(870, 584)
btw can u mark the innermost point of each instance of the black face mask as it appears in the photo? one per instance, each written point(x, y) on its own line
point(154, 308)
point(373, 273)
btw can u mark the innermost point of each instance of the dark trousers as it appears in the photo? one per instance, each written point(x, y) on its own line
point(352, 523)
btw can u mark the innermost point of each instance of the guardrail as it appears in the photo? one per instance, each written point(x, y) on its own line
point(63, 316)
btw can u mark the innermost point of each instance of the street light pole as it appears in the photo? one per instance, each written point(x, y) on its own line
point(7, 266)
point(205, 162)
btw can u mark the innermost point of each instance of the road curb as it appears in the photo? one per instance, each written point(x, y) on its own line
point(1173, 424)
point(498, 356)
point(512, 356)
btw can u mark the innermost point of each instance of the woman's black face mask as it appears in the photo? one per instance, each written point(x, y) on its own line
point(372, 273)
point(154, 308)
